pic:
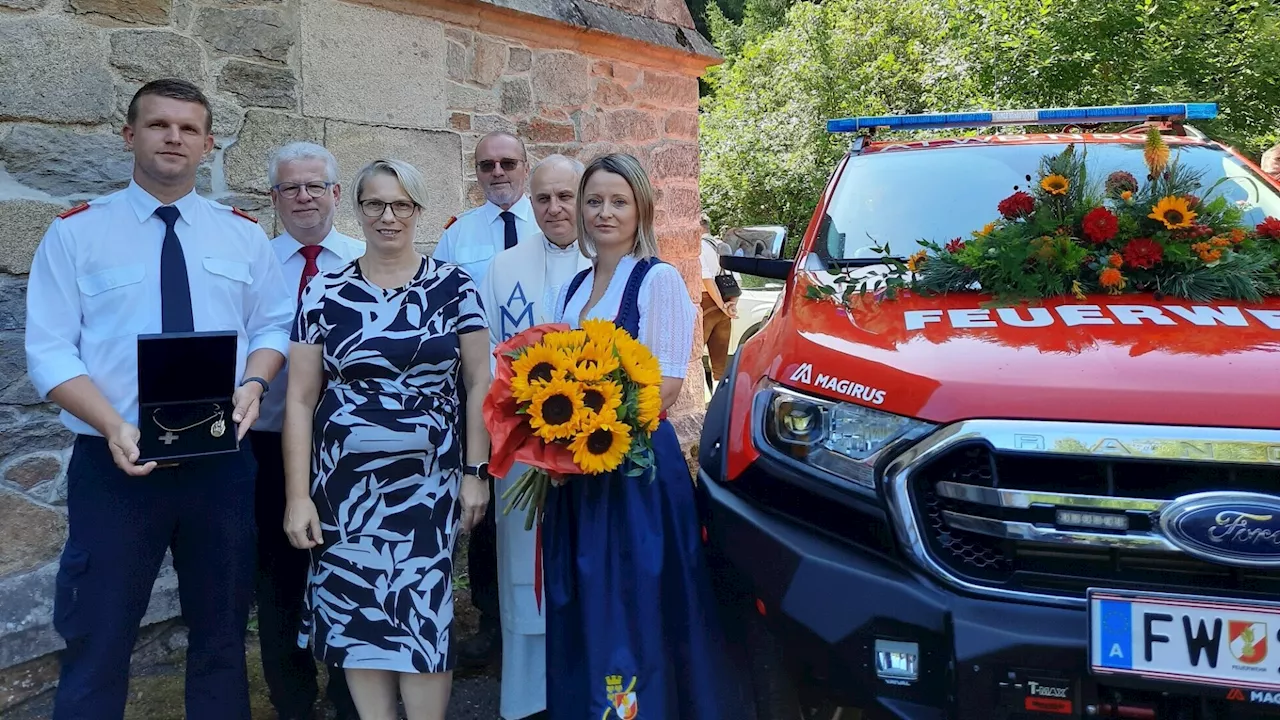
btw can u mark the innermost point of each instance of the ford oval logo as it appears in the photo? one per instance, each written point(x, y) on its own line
point(1232, 528)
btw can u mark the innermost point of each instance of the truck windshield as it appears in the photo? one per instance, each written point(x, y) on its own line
point(900, 197)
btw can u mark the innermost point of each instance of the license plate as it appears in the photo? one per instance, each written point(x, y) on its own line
point(1185, 639)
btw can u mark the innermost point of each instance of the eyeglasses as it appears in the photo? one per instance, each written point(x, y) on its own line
point(314, 189)
point(375, 208)
point(486, 166)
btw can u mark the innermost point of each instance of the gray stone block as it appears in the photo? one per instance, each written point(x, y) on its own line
point(245, 161)
point(25, 223)
point(145, 55)
point(54, 69)
point(63, 162)
point(249, 32)
point(259, 85)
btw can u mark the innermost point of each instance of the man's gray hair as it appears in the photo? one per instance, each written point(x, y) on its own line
point(554, 160)
point(295, 151)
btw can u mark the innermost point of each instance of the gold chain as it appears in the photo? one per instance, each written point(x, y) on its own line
point(217, 413)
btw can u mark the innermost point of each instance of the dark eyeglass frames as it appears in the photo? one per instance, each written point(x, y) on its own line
point(508, 164)
point(375, 208)
point(314, 189)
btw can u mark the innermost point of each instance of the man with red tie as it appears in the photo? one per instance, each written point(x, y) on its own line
point(305, 193)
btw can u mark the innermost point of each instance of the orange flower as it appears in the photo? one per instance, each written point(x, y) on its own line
point(1155, 152)
point(1238, 235)
point(1115, 260)
point(1220, 241)
point(1207, 252)
point(1127, 195)
point(1112, 280)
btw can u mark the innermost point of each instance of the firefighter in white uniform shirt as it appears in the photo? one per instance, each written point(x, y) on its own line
point(520, 291)
point(474, 237)
point(472, 240)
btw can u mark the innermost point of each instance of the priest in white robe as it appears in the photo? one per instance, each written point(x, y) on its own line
point(518, 292)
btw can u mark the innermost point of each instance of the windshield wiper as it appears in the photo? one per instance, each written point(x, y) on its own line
point(861, 262)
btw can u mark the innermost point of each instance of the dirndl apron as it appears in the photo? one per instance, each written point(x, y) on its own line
point(633, 631)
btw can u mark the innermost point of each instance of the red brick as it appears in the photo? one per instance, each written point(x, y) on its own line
point(538, 130)
point(668, 90)
point(675, 161)
point(625, 75)
point(682, 124)
point(610, 94)
point(629, 126)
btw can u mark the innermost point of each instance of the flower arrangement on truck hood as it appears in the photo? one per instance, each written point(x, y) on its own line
point(1064, 234)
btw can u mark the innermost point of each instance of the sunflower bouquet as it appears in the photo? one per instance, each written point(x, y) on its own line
point(1062, 235)
point(571, 403)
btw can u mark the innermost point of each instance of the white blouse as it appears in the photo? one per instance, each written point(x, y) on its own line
point(666, 312)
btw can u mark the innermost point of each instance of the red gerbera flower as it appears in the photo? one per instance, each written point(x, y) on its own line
point(1143, 253)
point(1269, 228)
point(1016, 205)
point(1100, 225)
point(955, 246)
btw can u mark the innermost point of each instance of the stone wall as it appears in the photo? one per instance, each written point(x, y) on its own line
point(415, 79)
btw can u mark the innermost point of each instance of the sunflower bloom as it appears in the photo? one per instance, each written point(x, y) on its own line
point(1055, 184)
point(1112, 280)
point(639, 364)
point(555, 412)
point(535, 368)
point(601, 446)
point(565, 339)
point(916, 260)
point(648, 407)
point(601, 398)
point(601, 332)
point(594, 362)
point(1173, 212)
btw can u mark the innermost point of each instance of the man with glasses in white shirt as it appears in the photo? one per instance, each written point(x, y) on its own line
point(305, 193)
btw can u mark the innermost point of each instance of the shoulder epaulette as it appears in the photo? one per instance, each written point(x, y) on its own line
point(77, 209)
point(452, 219)
point(243, 214)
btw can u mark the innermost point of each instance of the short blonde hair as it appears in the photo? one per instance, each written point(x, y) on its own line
point(646, 244)
point(410, 179)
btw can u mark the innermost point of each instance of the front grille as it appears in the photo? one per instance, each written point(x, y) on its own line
point(976, 510)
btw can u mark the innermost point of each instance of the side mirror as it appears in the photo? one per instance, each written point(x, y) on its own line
point(757, 241)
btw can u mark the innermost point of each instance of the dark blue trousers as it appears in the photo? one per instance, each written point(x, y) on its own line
point(120, 528)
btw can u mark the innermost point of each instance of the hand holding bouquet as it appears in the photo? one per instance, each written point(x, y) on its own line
point(571, 402)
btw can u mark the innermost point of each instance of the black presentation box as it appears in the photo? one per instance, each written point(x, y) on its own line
point(185, 384)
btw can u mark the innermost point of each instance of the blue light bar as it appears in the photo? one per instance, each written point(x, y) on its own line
point(1054, 116)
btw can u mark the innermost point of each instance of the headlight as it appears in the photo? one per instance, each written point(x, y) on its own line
point(842, 438)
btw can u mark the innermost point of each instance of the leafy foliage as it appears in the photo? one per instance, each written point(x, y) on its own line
point(766, 155)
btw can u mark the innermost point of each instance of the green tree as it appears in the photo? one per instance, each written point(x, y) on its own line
point(766, 154)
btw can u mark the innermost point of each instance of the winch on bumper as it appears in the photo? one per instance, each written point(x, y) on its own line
point(880, 601)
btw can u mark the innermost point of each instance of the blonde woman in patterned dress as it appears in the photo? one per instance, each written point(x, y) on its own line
point(378, 486)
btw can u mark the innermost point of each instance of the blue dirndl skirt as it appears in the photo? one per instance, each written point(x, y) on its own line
point(633, 630)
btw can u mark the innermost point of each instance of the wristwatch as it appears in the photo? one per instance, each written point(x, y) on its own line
point(265, 387)
point(481, 471)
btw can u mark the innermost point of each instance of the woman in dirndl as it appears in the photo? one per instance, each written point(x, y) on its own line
point(632, 625)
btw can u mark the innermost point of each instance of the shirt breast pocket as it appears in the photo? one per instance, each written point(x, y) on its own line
point(473, 253)
point(229, 281)
point(112, 301)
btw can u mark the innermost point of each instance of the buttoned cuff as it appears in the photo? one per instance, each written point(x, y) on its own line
point(49, 373)
point(277, 340)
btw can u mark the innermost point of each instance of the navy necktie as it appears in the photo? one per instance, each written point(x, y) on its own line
point(509, 228)
point(175, 289)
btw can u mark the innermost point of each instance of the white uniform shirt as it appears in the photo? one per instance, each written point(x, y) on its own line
point(337, 250)
point(95, 286)
point(710, 258)
point(479, 233)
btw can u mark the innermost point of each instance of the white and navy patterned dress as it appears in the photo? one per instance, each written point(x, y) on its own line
point(386, 465)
